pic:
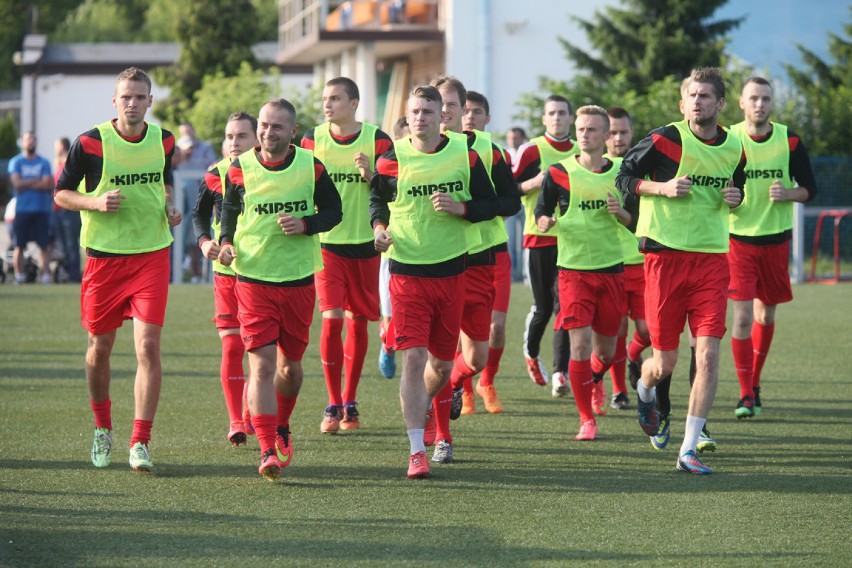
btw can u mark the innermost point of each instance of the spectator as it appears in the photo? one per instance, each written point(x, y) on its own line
point(67, 221)
point(33, 182)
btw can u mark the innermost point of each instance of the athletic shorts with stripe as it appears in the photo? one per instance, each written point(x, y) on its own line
point(634, 290)
point(276, 314)
point(478, 284)
point(349, 283)
point(427, 313)
point(502, 281)
point(680, 283)
point(760, 271)
point(225, 305)
point(591, 299)
point(123, 287)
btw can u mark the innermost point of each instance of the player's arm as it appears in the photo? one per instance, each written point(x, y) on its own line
point(555, 180)
point(800, 171)
point(527, 169)
point(209, 198)
point(77, 165)
point(383, 188)
point(327, 202)
point(656, 156)
point(508, 194)
point(173, 213)
point(734, 193)
point(483, 202)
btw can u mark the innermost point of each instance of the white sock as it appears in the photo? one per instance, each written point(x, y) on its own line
point(694, 424)
point(646, 394)
point(415, 440)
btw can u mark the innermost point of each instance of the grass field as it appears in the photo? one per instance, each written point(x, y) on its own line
point(522, 491)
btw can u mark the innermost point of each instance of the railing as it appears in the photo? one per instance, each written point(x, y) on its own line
point(302, 18)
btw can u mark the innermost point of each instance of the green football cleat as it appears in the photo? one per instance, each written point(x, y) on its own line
point(101, 444)
point(757, 405)
point(706, 443)
point(140, 459)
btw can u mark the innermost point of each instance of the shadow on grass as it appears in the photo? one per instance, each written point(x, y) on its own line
point(303, 540)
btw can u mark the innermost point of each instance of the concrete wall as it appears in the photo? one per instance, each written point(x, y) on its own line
point(501, 47)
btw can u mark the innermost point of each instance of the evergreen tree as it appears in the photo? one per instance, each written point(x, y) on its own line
point(824, 115)
point(651, 40)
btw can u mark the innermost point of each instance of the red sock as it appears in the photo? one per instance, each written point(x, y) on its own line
point(491, 368)
point(354, 352)
point(286, 404)
point(761, 339)
point(103, 413)
point(441, 407)
point(461, 371)
point(743, 355)
point(141, 431)
point(331, 355)
point(265, 428)
point(634, 350)
point(598, 366)
point(232, 375)
point(467, 385)
point(580, 375)
point(619, 365)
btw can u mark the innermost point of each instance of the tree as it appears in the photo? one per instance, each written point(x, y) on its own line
point(216, 37)
point(103, 21)
point(824, 113)
point(8, 137)
point(220, 96)
point(651, 40)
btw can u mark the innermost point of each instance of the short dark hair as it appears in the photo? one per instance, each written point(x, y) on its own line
point(134, 74)
point(243, 115)
point(453, 83)
point(427, 92)
point(758, 81)
point(348, 85)
point(64, 142)
point(560, 99)
point(619, 112)
point(711, 76)
point(281, 104)
point(480, 99)
point(520, 131)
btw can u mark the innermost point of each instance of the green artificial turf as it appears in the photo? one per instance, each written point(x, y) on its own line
point(522, 491)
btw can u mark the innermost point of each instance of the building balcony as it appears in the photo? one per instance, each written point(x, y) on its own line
point(311, 31)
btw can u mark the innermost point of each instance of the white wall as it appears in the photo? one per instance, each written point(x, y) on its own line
point(505, 56)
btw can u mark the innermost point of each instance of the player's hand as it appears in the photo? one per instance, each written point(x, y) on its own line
point(443, 202)
point(613, 205)
point(777, 191)
point(383, 240)
point(677, 187)
point(174, 215)
point(544, 223)
point(291, 225)
point(110, 201)
point(227, 254)
point(731, 194)
point(210, 249)
point(362, 162)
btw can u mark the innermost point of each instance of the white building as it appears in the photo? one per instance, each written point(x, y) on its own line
point(497, 47)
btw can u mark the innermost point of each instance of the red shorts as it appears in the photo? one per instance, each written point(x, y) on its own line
point(591, 299)
point(502, 281)
point(478, 302)
point(680, 284)
point(276, 314)
point(225, 303)
point(122, 287)
point(634, 290)
point(760, 271)
point(427, 313)
point(349, 283)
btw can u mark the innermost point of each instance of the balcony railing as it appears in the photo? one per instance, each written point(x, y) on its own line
point(302, 18)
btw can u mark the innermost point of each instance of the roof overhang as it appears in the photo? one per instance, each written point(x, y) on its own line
point(321, 45)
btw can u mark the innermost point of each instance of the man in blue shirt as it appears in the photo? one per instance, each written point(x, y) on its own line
point(33, 182)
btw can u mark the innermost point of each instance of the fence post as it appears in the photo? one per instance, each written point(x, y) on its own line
point(798, 275)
